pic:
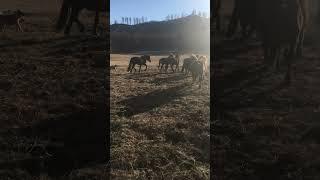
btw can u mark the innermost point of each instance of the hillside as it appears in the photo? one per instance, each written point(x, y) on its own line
point(191, 33)
point(50, 6)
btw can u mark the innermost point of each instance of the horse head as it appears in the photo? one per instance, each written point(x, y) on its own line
point(20, 13)
point(194, 57)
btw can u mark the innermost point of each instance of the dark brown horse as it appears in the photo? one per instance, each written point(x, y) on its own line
point(171, 60)
point(70, 10)
point(141, 61)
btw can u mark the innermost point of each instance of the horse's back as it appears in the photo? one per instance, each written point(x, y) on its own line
point(135, 59)
point(162, 60)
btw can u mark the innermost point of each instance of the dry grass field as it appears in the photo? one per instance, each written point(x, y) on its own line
point(45, 79)
point(265, 129)
point(159, 124)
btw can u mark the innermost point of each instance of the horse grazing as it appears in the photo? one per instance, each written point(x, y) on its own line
point(139, 61)
point(204, 61)
point(243, 13)
point(197, 70)
point(282, 25)
point(187, 63)
point(169, 61)
point(70, 10)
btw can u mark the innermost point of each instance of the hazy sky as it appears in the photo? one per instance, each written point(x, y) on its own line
point(154, 9)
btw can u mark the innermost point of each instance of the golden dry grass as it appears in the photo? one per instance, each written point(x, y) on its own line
point(159, 124)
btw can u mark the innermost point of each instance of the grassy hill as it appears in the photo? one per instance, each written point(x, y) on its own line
point(51, 6)
point(191, 33)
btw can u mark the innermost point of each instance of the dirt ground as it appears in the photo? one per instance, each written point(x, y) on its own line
point(263, 128)
point(159, 124)
point(45, 80)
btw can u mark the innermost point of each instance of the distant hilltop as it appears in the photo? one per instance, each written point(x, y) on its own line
point(186, 34)
point(49, 6)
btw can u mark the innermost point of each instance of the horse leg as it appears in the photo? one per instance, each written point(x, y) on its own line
point(200, 81)
point(277, 58)
point(4, 28)
point(193, 77)
point(19, 25)
point(80, 25)
point(233, 23)
point(133, 67)
point(139, 68)
point(146, 67)
point(300, 44)
point(96, 22)
point(70, 20)
point(291, 53)
point(171, 65)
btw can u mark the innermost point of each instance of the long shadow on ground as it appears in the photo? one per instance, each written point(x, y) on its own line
point(140, 104)
point(65, 143)
point(171, 79)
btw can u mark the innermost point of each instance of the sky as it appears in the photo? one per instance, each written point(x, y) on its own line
point(155, 10)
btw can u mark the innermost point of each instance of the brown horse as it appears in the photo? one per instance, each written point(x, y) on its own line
point(141, 61)
point(171, 60)
point(70, 10)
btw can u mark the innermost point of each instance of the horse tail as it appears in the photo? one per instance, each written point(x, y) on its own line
point(129, 67)
point(62, 20)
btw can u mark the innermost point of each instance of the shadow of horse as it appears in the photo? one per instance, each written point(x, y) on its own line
point(168, 79)
point(75, 140)
point(140, 104)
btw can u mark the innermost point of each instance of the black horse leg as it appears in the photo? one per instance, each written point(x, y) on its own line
point(300, 44)
point(72, 17)
point(133, 67)
point(96, 22)
point(289, 59)
point(171, 65)
point(140, 68)
point(80, 25)
point(161, 67)
point(146, 67)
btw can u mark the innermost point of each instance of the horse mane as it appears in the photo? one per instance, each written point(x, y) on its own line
point(146, 57)
point(203, 58)
point(193, 56)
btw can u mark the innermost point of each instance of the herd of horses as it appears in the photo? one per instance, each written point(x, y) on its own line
point(279, 24)
point(69, 14)
point(195, 64)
